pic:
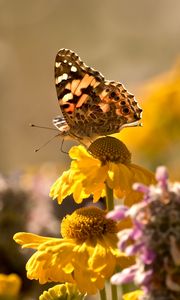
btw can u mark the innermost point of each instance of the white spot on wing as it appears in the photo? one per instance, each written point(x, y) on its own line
point(57, 64)
point(70, 64)
point(66, 98)
point(73, 69)
point(62, 77)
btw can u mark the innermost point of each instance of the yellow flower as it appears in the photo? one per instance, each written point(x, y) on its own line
point(62, 292)
point(9, 285)
point(107, 160)
point(133, 295)
point(86, 255)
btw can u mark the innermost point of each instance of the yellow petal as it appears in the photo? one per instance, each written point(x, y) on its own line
point(78, 192)
point(79, 153)
point(121, 177)
point(30, 240)
point(133, 295)
point(61, 292)
point(142, 175)
point(62, 187)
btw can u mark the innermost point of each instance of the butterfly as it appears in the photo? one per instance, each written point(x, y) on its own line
point(91, 106)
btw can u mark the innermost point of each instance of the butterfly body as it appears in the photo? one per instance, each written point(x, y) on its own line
point(91, 105)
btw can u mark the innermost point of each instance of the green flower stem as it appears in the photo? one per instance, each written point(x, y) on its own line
point(103, 294)
point(110, 206)
point(109, 198)
point(114, 293)
point(127, 288)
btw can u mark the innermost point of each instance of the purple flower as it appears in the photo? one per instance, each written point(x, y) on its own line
point(118, 213)
point(124, 236)
point(137, 230)
point(154, 240)
point(162, 177)
point(147, 256)
point(143, 277)
point(125, 276)
point(133, 249)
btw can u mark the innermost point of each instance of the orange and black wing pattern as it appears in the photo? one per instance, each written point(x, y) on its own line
point(90, 104)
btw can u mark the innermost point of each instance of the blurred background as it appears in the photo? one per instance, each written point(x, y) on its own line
point(134, 42)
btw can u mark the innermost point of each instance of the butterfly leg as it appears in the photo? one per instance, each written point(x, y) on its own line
point(62, 147)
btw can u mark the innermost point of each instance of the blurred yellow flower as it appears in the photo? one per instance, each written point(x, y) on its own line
point(9, 285)
point(107, 160)
point(86, 255)
point(61, 292)
point(158, 140)
point(135, 295)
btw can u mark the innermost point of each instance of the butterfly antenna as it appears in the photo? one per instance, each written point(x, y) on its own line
point(43, 127)
point(43, 145)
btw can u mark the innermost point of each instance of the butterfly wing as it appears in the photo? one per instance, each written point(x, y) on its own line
point(90, 104)
point(72, 79)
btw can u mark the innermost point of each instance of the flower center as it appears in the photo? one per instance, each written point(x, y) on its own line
point(87, 223)
point(110, 149)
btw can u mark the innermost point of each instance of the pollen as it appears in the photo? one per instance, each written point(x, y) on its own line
point(86, 224)
point(110, 149)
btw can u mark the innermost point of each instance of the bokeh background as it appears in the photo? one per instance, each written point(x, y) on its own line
point(135, 42)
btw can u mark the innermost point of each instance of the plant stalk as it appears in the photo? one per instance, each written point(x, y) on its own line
point(114, 293)
point(103, 294)
point(109, 198)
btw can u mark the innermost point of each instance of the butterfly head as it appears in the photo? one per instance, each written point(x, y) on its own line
point(61, 124)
